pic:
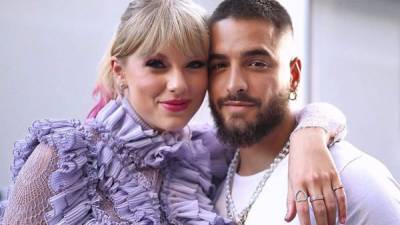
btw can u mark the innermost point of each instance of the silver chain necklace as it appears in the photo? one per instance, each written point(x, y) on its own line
point(241, 218)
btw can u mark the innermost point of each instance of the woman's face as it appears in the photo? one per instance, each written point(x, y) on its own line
point(165, 89)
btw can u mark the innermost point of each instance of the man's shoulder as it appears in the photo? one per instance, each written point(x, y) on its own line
point(373, 194)
point(350, 160)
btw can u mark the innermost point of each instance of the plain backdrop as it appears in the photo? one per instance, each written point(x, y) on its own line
point(50, 50)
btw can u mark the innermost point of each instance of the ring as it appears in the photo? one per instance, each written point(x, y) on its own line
point(301, 196)
point(337, 188)
point(316, 197)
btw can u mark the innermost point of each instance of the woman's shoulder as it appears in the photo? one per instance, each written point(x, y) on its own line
point(73, 179)
point(59, 135)
point(31, 184)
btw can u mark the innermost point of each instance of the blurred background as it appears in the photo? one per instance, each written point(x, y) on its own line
point(50, 49)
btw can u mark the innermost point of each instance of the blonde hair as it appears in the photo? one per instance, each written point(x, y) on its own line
point(146, 27)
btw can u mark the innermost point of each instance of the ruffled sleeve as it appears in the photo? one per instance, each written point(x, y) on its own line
point(187, 188)
point(74, 179)
point(325, 116)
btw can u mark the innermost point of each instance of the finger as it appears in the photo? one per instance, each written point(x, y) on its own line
point(319, 208)
point(303, 213)
point(302, 206)
point(330, 204)
point(291, 205)
point(340, 195)
point(342, 205)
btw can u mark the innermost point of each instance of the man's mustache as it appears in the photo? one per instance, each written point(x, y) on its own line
point(241, 96)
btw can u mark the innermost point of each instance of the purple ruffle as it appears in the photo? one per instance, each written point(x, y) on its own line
point(108, 154)
point(120, 180)
point(187, 187)
point(73, 182)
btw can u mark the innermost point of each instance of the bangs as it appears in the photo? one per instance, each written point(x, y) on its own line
point(167, 25)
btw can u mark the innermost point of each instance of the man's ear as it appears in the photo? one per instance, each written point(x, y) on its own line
point(295, 73)
point(117, 68)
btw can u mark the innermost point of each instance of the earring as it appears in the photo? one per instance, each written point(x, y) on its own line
point(122, 86)
point(292, 95)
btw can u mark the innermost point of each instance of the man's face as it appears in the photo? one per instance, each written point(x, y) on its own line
point(249, 79)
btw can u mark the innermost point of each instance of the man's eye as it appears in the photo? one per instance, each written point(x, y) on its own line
point(217, 66)
point(155, 64)
point(196, 64)
point(258, 65)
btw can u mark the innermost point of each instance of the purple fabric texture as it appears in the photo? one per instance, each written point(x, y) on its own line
point(105, 157)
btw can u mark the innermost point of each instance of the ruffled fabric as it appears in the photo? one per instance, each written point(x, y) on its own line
point(183, 162)
point(110, 157)
point(74, 181)
point(185, 193)
point(121, 157)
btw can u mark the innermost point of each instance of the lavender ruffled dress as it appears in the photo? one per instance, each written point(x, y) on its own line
point(116, 159)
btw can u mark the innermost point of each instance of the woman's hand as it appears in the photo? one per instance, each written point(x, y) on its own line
point(312, 173)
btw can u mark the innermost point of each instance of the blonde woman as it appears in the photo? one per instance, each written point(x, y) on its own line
point(135, 160)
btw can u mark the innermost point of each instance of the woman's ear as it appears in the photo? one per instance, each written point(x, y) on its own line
point(117, 68)
point(119, 75)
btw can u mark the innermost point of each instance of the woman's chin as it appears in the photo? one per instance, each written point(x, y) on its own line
point(172, 124)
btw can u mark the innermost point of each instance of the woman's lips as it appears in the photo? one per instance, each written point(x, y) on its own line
point(175, 105)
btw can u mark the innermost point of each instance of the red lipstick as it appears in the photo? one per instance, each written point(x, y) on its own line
point(175, 105)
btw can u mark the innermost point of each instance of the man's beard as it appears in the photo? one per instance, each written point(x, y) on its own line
point(268, 117)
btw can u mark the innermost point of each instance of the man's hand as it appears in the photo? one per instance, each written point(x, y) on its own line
point(312, 173)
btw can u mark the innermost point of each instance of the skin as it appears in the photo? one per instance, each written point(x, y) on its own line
point(251, 56)
point(156, 79)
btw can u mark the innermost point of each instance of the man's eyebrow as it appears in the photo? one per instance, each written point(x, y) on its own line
point(214, 56)
point(256, 52)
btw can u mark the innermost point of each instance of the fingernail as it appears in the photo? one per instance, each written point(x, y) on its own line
point(343, 220)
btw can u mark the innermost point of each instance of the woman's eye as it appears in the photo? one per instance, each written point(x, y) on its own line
point(196, 64)
point(155, 64)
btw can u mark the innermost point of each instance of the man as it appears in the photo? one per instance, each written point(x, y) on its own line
point(253, 74)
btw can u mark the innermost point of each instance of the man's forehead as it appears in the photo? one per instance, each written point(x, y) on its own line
point(245, 34)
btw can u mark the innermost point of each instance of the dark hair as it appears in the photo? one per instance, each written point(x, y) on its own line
point(268, 10)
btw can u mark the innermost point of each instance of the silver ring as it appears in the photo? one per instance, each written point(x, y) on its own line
point(301, 196)
point(337, 188)
point(316, 198)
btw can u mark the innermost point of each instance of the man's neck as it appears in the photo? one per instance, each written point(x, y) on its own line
point(258, 157)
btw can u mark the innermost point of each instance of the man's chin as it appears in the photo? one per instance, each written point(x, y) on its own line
point(236, 124)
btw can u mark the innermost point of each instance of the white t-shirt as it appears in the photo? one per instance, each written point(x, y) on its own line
point(373, 196)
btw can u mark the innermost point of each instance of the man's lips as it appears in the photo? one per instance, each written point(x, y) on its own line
point(238, 106)
point(175, 105)
point(239, 103)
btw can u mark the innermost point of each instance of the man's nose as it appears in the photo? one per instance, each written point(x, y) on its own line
point(236, 82)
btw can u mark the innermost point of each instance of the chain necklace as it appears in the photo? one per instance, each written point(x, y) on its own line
point(240, 218)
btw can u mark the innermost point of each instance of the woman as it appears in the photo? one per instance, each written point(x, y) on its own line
point(135, 160)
